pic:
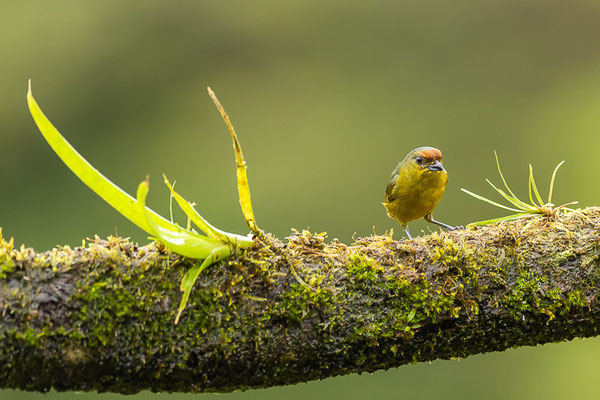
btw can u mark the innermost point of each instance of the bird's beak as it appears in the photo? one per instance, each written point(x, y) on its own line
point(436, 166)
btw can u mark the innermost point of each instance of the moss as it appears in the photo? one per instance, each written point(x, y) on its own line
point(523, 294)
point(531, 295)
point(361, 268)
point(298, 303)
point(104, 298)
point(411, 298)
point(562, 257)
point(6, 251)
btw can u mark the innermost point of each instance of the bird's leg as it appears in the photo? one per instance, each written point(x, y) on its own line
point(429, 218)
point(407, 232)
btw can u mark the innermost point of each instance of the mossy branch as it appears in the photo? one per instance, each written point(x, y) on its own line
point(100, 317)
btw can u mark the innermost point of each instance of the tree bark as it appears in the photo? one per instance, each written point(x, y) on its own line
point(101, 317)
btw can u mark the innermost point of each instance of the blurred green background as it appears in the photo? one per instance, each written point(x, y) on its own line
point(326, 96)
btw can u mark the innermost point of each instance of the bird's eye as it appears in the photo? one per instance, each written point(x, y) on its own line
point(419, 160)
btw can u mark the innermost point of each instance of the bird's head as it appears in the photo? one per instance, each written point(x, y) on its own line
point(425, 158)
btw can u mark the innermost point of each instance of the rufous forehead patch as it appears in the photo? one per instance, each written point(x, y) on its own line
point(432, 154)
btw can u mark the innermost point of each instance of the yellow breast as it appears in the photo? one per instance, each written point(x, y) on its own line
point(415, 193)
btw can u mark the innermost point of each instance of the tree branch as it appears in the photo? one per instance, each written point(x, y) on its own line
point(100, 317)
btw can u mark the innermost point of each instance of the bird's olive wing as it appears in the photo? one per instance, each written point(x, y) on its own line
point(389, 190)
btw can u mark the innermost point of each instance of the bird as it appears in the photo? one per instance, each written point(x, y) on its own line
point(416, 187)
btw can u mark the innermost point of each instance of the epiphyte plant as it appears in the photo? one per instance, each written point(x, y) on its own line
point(208, 248)
point(522, 209)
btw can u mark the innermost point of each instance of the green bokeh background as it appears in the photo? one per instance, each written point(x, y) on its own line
point(326, 96)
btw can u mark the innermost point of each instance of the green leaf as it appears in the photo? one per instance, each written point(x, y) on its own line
point(187, 283)
point(521, 205)
point(502, 176)
point(534, 187)
point(188, 243)
point(242, 176)
point(552, 181)
point(183, 242)
point(479, 197)
point(108, 191)
point(204, 225)
point(501, 219)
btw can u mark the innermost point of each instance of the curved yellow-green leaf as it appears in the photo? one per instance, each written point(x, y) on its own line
point(101, 185)
point(501, 219)
point(183, 242)
point(552, 181)
point(204, 225)
point(242, 176)
point(521, 205)
point(533, 186)
point(187, 283)
point(492, 202)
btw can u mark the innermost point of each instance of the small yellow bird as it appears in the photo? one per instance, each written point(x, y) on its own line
point(416, 187)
